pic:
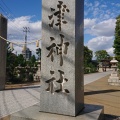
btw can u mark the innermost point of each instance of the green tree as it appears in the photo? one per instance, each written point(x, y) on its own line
point(88, 54)
point(11, 63)
point(32, 61)
point(21, 60)
point(101, 54)
point(117, 39)
point(13, 68)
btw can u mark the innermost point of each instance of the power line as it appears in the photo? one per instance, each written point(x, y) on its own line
point(11, 17)
point(7, 7)
point(26, 30)
point(7, 15)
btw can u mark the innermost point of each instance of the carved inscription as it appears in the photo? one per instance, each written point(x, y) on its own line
point(61, 81)
point(59, 13)
point(59, 49)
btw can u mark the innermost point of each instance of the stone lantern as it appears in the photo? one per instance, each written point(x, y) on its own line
point(37, 75)
point(114, 79)
point(114, 64)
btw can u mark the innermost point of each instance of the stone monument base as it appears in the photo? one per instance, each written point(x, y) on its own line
point(114, 79)
point(90, 112)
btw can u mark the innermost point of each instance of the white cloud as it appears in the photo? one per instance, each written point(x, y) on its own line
point(89, 22)
point(103, 32)
point(87, 3)
point(17, 50)
point(99, 10)
point(16, 34)
point(96, 11)
point(100, 23)
point(112, 3)
point(116, 4)
point(96, 3)
point(104, 28)
point(110, 51)
point(101, 43)
point(103, 6)
point(15, 28)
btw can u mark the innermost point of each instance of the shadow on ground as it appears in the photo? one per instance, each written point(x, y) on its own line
point(100, 92)
point(111, 117)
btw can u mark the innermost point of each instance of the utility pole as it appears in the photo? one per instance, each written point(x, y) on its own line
point(26, 30)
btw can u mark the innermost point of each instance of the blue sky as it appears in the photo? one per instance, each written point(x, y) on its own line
point(99, 21)
point(18, 8)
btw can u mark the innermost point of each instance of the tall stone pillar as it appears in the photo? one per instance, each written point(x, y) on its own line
point(62, 87)
point(3, 33)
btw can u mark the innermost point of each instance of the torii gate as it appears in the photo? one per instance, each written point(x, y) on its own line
point(3, 33)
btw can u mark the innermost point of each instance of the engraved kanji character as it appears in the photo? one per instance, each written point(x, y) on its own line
point(61, 81)
point(62, 8)
point(51, 83)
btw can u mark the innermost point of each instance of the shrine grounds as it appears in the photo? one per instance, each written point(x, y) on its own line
point(96, 91)
point(100, 93)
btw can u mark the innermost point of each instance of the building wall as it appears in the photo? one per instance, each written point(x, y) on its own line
point(3, 33)
point(27, 54)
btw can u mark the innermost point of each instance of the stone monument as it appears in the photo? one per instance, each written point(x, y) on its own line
point(3, 33)
point(114, 79)
point(62, 87)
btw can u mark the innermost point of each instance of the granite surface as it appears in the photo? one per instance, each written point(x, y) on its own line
point(90, 112)
point(62, 86)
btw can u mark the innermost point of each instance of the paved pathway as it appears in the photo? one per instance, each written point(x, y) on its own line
point(101, 93)
point(14, 100)
point(95, 76)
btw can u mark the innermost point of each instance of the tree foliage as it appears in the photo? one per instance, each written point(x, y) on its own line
point(117, 38)
point(14, 61)
point(32, 61)
point(10, 63)
point(101, 54)
point(89, 65)
point(21, 61)
point(88, 54)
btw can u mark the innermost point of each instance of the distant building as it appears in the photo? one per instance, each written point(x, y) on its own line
point(104, 64)
point(27, 54)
